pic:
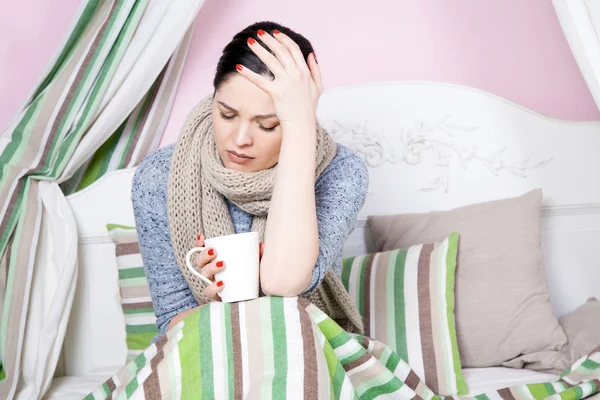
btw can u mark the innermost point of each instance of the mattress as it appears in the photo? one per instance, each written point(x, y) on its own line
point(482, 380)
point(479, 380)
point(72, 387)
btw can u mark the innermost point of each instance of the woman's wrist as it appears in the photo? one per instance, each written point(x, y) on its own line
point(299, 132)
point(299, 143)
point(301, 123)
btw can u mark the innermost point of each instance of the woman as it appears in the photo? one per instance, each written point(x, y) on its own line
point(219, 178)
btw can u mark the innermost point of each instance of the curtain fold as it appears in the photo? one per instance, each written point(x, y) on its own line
point(580, 22)
point(53, 287)
point(103, 105)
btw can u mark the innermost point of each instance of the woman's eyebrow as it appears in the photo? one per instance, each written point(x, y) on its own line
point(262, 116)
point(227, 107)
point(265, 116)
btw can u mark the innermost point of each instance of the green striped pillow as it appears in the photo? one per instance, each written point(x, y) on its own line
point(406, 299)
point(140, 321)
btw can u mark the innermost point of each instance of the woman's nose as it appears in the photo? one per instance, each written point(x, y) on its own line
point(243, 137)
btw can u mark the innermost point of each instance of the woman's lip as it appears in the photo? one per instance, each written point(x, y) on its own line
point(240, 155)
point(239, 158)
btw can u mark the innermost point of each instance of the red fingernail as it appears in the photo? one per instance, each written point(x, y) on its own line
point(199, 237)
point(251, 41)
point(275, 32)
point(238, 67)
point(261, 32)
point(211, 252)
point(219, 264)
point(220, 283)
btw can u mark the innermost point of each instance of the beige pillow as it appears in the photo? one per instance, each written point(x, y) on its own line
point(582, 327)
point(502, 302)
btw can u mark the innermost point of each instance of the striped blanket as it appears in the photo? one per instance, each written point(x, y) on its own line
point(287, 348)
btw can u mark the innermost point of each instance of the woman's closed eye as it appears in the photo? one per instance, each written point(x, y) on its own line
point(264, 128)
point(271, 129)
point(226, 117)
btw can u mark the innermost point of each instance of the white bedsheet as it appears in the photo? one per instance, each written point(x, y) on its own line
point(479, 380)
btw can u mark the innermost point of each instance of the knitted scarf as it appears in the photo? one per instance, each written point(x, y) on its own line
point(197, 189)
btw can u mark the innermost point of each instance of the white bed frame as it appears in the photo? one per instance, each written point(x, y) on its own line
point(428, 146)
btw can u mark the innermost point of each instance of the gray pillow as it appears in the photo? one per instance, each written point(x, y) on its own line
point(502, 302)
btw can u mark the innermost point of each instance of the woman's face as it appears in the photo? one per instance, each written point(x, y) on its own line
point(246, 129)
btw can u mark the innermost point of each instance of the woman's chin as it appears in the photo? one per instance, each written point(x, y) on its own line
point(238, 167)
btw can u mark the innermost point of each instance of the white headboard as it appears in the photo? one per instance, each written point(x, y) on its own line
point(428, 146)
point(434, 146)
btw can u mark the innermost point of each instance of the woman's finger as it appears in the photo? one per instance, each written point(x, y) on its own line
point(272, 62)
point(259, 80)
point(200, 240)
point(315, 71)
point(281, 52)
point(210, 269)
point(293, 49)
point(206, 256)
point(214, 289)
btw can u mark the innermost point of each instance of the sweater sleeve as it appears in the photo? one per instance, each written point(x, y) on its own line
point(339, 194)
point(168, 288)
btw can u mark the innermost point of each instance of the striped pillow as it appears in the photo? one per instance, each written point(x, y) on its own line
point(140, 321)
point(406, 299)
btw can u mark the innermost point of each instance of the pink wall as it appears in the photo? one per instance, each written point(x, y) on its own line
point(30, 32)
point(512, 48)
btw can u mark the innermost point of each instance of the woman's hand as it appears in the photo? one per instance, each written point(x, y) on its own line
point(208, 268)
point(208, 265)
point(296, 89)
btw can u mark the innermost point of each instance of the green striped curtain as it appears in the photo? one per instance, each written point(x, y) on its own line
point(62, 135)
point(137, 136)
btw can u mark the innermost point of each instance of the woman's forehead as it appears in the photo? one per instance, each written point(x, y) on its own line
point(245, 97)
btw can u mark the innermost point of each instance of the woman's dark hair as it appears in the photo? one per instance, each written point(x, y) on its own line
point(238, 52)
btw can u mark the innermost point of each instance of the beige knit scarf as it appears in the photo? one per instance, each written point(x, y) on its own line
point(197, 189)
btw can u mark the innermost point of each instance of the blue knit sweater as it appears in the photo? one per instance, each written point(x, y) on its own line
point(339, 193)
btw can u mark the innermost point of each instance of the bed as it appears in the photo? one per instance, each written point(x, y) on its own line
point(428, 146)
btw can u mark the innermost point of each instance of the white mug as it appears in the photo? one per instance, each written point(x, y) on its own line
point(240, 273)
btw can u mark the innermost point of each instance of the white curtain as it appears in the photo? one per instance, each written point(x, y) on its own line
point(580, 22)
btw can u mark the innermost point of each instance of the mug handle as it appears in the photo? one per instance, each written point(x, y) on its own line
point(188, 262)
